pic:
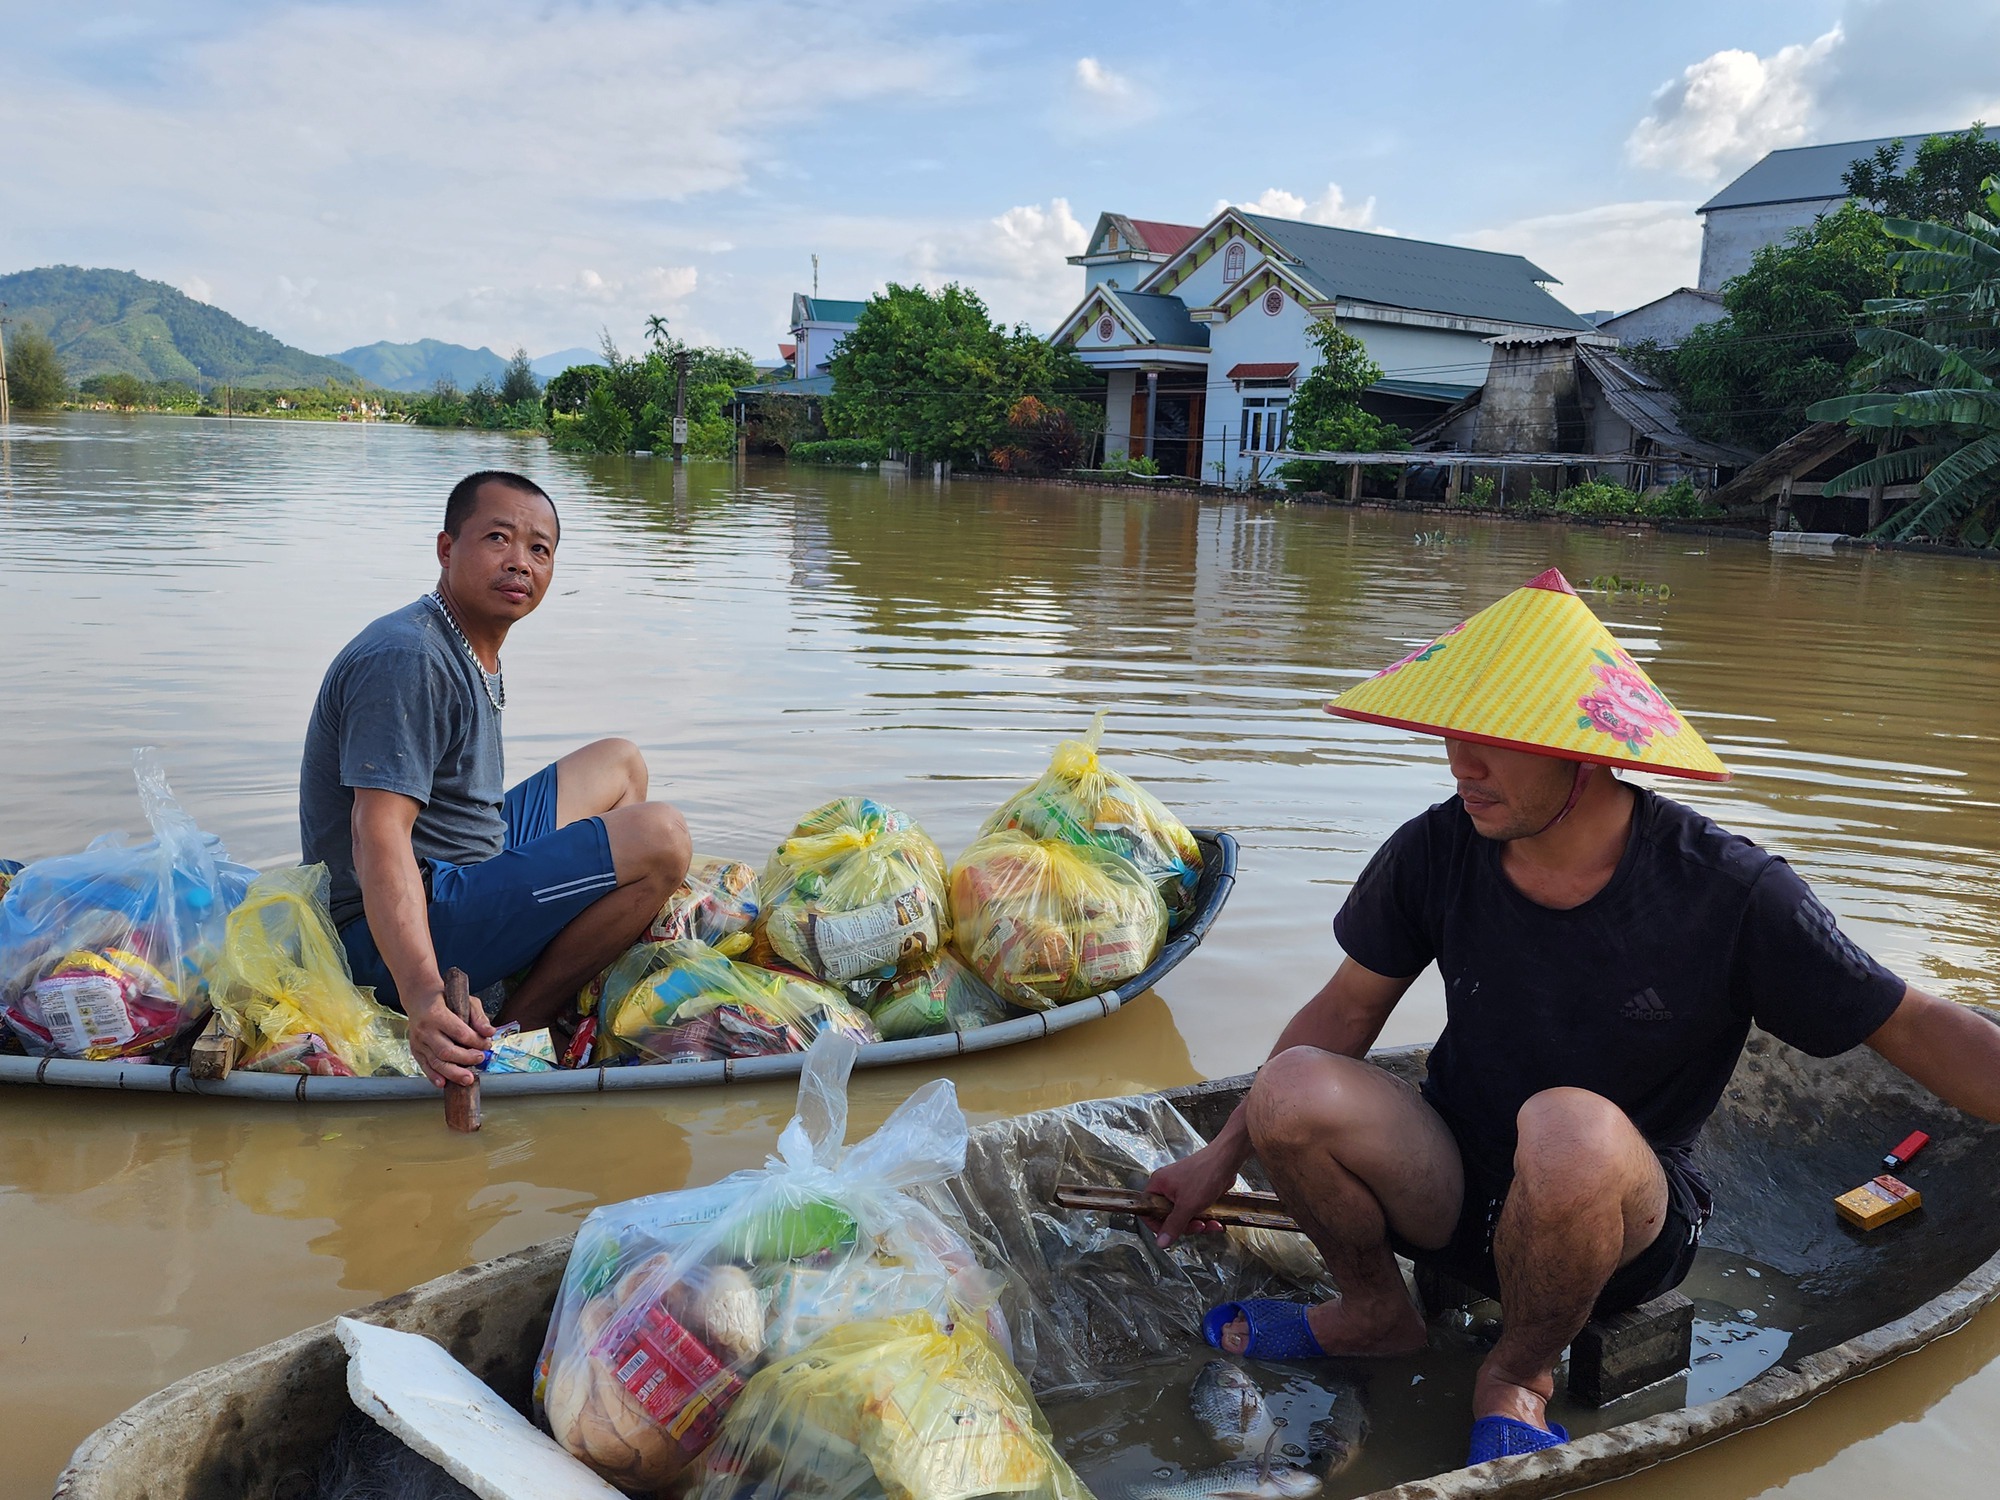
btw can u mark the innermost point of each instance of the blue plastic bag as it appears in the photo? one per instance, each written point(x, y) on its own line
point(106, 953)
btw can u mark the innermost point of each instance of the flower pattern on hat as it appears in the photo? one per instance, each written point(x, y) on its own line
point(1625, 705)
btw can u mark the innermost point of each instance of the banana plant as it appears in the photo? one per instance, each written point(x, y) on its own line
point(1938, 386)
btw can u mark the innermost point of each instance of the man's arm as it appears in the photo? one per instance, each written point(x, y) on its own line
point(392, 896)
point(1346, 1016)
point(1948, 1048)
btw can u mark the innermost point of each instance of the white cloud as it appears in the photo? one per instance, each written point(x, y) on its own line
point(447, 170)
point(1015, 261)
point(1109, 97)
point(1330, 207)
point(1730, 108)
point(195, 287)
point(1616, 255)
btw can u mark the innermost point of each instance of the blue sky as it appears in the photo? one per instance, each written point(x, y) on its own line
point(506, 173)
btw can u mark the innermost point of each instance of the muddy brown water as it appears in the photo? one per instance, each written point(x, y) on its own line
point(773, 637)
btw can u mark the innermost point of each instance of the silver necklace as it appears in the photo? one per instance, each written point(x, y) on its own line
point(486, 679)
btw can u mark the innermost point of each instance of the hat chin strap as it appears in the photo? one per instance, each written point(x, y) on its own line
point(1576, 786)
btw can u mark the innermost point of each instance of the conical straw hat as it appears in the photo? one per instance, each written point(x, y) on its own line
point(1536, 671)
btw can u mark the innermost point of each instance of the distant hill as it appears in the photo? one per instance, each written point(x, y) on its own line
point(419, 366)
point(104, 322)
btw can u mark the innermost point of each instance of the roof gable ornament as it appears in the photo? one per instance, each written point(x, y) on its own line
point(1211, 240)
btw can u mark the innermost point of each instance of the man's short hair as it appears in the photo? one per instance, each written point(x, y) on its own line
point(465, 495)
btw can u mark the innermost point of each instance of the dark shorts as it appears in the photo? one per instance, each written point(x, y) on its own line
point(494, 918)
point(1468, 1255)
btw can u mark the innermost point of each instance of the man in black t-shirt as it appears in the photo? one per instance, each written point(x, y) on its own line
point(1604, 953)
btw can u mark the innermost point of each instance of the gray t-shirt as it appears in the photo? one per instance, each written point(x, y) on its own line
point(402, 709)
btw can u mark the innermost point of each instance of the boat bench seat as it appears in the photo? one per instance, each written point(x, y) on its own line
point(1613, 1356)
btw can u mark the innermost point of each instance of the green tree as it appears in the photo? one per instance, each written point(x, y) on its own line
point(118, 388)
point(520, 382)
point(35, 374)
point(1944, 183)
point(1326, 413)
point(606, 427)
point(1788, 340)
point(1933, 394)
point(931, 373)
point(567, 392)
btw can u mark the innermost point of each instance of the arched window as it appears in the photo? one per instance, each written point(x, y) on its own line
point(1232, 262)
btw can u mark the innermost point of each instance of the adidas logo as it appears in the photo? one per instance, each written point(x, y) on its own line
point(1647, 1006)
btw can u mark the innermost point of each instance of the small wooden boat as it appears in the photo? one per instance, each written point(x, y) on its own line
point(1790, 1133)
point(1218, 878)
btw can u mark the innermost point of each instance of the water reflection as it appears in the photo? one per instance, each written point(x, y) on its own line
point(773, 638)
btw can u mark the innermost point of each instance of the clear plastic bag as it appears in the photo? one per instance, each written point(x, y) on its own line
point(1082, 801)
point(715, 904)
point(283, 988)
point(1044, 920)
point(669, 1305)
point(946, 996)
point(856, 895)
point(905, 1407)
point(106, 953)
point(685, 1002)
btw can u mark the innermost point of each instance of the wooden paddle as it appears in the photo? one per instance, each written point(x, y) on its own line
point(461, 1100)
point(1249, 1210)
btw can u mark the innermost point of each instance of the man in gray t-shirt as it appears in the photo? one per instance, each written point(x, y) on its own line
point(400, 796)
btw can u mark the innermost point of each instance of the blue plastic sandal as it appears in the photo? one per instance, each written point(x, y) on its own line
point(1503, 1437)
point(1278, 1329)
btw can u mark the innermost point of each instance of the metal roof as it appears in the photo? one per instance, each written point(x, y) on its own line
point(827, 310)
point(1164, 239)
point(1165, 318)
point(1644, 403)
point(1419, 275)
point(1426, 390)
point(812, 385)
point(1803, 174)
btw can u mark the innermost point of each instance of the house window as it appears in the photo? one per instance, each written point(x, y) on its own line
point(1274, 302)
point(1232, 262)
point(1264, 424)
point(1106, 328)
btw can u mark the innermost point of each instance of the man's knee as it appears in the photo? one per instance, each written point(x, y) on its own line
point(1297, 1099)
point(630, 763)
point(1574, 1135)
point(649, 841)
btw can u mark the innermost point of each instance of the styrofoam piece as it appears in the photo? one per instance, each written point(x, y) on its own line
point(453, 1418)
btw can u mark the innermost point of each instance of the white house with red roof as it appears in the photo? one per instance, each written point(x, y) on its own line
point(1202, 331)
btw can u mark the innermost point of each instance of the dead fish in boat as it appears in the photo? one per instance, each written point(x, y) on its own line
point(1244, 1479)
point(1334, 1440)
point(1230, 1407)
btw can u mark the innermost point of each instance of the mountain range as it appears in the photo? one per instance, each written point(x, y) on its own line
point(419, 366)
point(105, 322)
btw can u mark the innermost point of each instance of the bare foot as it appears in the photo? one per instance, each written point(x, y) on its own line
point(1502, 1395)
point(1349, 1329)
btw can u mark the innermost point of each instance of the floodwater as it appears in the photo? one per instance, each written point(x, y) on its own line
point(776, 637)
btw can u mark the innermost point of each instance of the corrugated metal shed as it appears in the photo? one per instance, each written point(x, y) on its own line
point(1801, 174)
point(1644, 402)
point(1418, 275)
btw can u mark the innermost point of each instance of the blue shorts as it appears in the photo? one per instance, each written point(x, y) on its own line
point(494, 918)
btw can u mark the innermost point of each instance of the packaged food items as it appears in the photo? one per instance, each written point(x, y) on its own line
point(911, 1407)
point(282, 986)
point(715, 903)
point(1080, 800)
point(1044, 920)
point(670, 1305)
point(106, 953)
point(685, 1002)
point(9, 868)
point(512, 1050)
point(943, 996)
point(856, 895)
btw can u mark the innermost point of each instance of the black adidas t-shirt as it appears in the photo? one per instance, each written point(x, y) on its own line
point(1644, 994)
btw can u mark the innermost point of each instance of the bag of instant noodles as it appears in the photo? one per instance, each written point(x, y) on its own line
point(685, 1002)
point(856, 895)
point(1081, 800)
point(1044, 920)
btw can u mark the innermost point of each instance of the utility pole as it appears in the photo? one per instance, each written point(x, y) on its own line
point(680, 405)
point(6, 410)
point(815, 278)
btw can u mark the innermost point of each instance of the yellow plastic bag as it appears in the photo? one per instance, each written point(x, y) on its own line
point(1045, 920)
point(282, 986)
point(894, 1407)
point(1080, 800)
point(856, 895)
point(688, 1003)
point(716, 902)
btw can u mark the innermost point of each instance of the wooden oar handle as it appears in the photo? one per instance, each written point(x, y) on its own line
point(1248, 1210)
point(461, 1100)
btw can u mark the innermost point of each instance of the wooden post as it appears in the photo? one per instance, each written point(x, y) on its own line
point(1456, 485)
point(1877, 507)
point(6, 410)
point(1783, 520)
point(1354, 482)
point(214, 1052)
point(461, 1100)
point(1403, 482)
